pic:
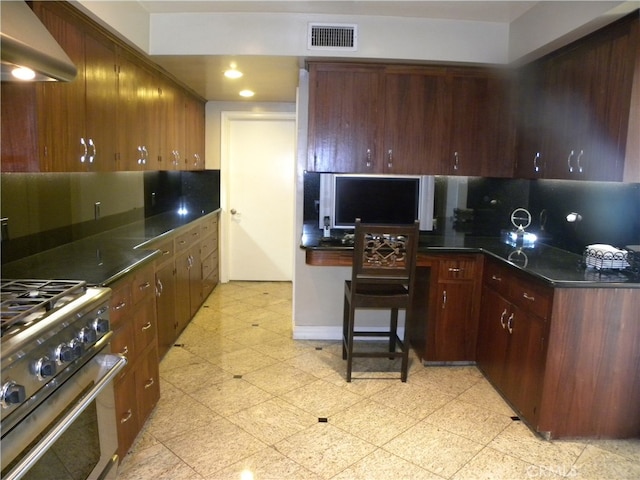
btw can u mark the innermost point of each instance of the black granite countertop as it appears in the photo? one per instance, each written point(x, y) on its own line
point(100, 259)
point(557, 267)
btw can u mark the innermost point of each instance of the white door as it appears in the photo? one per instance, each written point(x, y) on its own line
point(258, 160)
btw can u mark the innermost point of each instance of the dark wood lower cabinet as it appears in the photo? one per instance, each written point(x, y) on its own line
point(510, 351)
point(445, 313)
point(566, 359)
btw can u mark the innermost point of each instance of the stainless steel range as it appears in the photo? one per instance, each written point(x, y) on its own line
point(56, 393)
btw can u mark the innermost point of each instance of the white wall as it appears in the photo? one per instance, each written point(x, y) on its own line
point(286, 35)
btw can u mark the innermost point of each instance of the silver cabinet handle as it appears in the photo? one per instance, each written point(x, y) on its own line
point(86, 150)
point(444, 298)
point(578, 161)
point(455, 270)
point(146, 326)
point(144, 286)
point(368, 163)
point(159, 287)
point(127, 416)
point(125, 351)
point(456, 160)
point(526, 296)
point(92, 156)
point(510, 324)
point(390, 158)
point(120, 306)
point(569, 161)
point(504, 314)
point(536, 167)
point(497, 279)
point(149, 383)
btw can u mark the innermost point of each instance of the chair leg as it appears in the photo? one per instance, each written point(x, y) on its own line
point(405, 351)
point(345, 327)
point(351, 328)
point(393, 330)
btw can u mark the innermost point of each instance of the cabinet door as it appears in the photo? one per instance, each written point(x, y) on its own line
point(100, 103)
point(147, 383)
point(480, 141)
point(524, 365)
point(183, 290)
point(415, 126)
point(166, 307)
point(194, 134)
point(530, 156)
point(133, 149)
point(195, 280)
point(61, 111)
point(452, 323)
point(587, 98)
point(493, 338)
point(345, 103)
point(128, 423)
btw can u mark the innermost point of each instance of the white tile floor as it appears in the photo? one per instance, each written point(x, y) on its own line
point(242, 400)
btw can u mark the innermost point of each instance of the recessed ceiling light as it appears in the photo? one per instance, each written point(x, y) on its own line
point(232, 73)
point(247, 93)
point(23, 73)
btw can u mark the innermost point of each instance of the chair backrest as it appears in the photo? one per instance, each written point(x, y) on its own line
point(384, 253)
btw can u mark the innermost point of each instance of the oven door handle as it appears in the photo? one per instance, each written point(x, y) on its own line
point(115, 363)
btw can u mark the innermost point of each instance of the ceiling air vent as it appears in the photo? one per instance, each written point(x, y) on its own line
point(327, 36)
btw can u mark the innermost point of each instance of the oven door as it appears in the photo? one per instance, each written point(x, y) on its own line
point(72, 434)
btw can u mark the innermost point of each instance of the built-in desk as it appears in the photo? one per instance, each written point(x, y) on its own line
point(560, 342)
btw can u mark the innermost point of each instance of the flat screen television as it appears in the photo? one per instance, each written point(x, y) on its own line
point(381, 199)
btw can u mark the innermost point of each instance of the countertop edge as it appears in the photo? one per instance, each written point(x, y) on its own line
point(555, 283)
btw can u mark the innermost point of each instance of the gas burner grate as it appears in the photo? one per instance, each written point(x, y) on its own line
point(26, 301)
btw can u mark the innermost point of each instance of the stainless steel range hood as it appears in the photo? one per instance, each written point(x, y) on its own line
point(25, 42)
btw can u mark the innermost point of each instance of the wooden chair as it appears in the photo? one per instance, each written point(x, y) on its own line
point(384, 262)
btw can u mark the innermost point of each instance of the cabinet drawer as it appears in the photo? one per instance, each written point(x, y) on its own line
point(145, 325)
point(457, 268)
point(122, 343)
point(207, 246)
point(120, 304)
point(188, 238)
point(142, 284)
point(210, 227)
point(497, 277)
point(209, 264)
point(166, 247)
point(530, 296)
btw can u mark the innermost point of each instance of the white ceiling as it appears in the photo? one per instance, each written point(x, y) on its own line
point(275, 78)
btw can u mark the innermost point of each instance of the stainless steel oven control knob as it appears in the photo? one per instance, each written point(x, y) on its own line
point(87, 335)
point(77, 348)
point(101, 326)
point(63, 354)
point(12, 394)
point(45, 367)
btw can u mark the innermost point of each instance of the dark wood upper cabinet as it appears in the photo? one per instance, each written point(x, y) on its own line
point(481, 142)
point(345, 104)
point(115, 115)
point(575, 108)
point(408, 120)
point(414, 133)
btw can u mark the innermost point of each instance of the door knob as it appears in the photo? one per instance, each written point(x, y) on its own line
point(233, 211)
